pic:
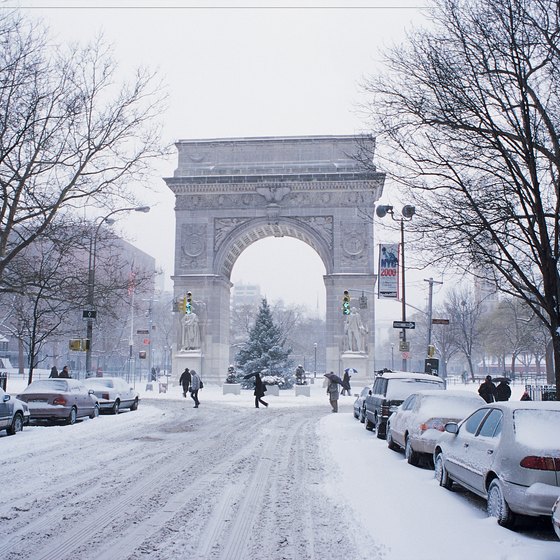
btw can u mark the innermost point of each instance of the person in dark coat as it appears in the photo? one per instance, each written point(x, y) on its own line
point(346, 383)
point(487, 390)
point(65, 373)
point(185, 381)
point(503, 392)
point(526, 397)
point(54, 373)
point(260, 390)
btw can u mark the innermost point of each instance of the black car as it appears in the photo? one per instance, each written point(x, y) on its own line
point(389, 390)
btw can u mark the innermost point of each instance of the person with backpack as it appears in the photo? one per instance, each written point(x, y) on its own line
point(503, 391)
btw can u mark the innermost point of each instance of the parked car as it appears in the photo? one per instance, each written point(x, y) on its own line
point(389, 390)
point(14, 414)
point(507, 453)
point(113, 393)
point(556, 517)
point(359, 412)
point(420, 420)
point(59, 400)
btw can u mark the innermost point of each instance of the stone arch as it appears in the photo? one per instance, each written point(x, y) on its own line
point(230, 193)
point(250, 231)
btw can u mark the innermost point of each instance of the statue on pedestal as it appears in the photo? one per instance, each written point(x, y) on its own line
point(355, 332)
point(190, 332)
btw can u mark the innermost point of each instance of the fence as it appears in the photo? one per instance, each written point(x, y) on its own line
point(541, 392)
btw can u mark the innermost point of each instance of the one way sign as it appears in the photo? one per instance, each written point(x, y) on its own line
point(404, 324)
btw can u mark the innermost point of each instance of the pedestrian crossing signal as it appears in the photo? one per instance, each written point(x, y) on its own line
point(346, 303)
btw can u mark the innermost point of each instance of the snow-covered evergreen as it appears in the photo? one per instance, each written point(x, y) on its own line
point(264, 352)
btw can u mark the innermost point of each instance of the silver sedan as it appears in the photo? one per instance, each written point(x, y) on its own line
point(507, 453)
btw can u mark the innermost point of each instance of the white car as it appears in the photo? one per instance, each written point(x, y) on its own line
point(556, 517)
point(419, 422)
point(113, 393)
point(14, 414)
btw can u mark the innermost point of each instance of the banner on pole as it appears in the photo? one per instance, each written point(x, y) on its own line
point(388, 281)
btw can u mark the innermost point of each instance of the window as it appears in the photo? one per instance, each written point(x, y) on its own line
point(492, 426)
point(408, 403)
point(473, 421)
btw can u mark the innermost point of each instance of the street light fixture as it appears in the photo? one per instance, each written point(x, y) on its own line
point(407, 213)
point(91, 275)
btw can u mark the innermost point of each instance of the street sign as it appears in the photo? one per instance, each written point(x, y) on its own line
point(142, 331)
point(440, 321)
point(404, 346)
point(89, 314)
point(404, 324)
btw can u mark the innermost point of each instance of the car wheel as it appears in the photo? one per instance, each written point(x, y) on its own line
point(440, 474)
point(362, 416)
point(379, 433)
point(390, 443)
point(497, 506)
point(134, 405)
point(16, 425)
point(95, 412)
point(116, 407)
point(411, 455)
point(73, 416)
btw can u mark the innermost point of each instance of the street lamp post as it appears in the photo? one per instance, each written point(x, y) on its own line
point(406, 215)
point(315, 360)
point(91, 277)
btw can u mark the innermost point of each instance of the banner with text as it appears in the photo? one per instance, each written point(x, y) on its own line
point(388, 281)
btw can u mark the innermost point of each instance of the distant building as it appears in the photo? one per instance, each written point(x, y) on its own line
point(246, 294)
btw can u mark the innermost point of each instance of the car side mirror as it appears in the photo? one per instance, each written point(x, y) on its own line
point(91, 392)
point(6, 398)
point(369, 392)
point(452, 427)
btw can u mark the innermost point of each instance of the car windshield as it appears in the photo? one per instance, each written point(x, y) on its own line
point(47, 386)
point(538, 428)
point(101, 382)
point(400, 389)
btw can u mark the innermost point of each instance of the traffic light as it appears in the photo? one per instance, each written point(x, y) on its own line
point(182, 304)
point(431, 351)
point(188, 303)
point(346, 303)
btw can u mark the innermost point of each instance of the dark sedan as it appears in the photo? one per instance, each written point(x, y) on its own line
point(59, 400)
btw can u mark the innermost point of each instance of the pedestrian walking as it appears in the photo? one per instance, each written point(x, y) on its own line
point(526, 397)
point(54, 373)
point(185, 381)
point(503, 391)
point(195, 386)
point(65, 373)
point(260, 390)
point(332, 391)
point(346, 383)
point(487, 390)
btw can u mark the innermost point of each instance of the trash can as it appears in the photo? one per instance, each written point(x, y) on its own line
point(3, 379)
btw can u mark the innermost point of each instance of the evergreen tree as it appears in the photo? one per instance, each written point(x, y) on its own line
point(265, 348)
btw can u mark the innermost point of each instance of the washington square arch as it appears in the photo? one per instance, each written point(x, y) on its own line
point(230, 193)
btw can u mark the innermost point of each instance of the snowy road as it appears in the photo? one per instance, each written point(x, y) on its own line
point(227, 481)
point(167, 482)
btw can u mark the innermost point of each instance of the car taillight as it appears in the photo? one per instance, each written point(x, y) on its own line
point(433, 424)
point(105, 396)
point(60, 400)
point(385, 410)
point(541, 463)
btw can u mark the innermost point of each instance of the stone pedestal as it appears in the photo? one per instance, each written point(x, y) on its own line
point(303, 390)
point(191, 359)
point(273, 390)
point(232, 389)
point(358, 361)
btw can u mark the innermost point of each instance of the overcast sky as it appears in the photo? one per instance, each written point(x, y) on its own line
point(244, 68)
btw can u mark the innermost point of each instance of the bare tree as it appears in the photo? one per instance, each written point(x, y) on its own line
point(70, 134)
point(471, 111)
